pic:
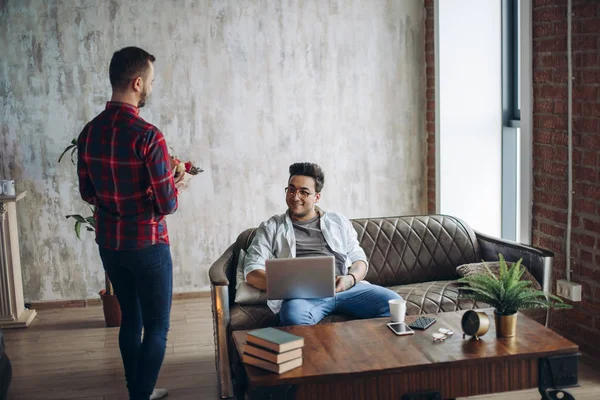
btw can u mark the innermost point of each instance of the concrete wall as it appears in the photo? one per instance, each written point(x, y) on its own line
point(244, 88)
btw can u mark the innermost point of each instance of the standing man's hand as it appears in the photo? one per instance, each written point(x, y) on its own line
point(179, 178)
point(178, 173)
point(343, 283)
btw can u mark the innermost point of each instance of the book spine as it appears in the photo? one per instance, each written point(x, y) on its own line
point(278, 369)
point(271, 356)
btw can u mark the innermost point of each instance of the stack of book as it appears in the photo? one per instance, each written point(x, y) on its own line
point(273, 349)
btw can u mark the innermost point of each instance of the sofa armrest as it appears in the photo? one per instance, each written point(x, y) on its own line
point(218, 270)
point(538, 261)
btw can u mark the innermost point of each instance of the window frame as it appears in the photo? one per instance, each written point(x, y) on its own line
point(511, 108)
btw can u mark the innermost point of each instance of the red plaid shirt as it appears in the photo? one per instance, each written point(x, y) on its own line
point(124, 170)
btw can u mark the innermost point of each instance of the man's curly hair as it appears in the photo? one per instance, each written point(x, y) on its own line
point(309, 169)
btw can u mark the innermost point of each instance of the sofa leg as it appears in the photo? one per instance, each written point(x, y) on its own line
point(220, 309)
point(225, 383)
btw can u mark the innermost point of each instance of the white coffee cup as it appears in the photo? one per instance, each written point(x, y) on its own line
point(8, 187)
point(397, 310)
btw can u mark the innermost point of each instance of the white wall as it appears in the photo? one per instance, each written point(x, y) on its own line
point(469, 108)
point(243, 87)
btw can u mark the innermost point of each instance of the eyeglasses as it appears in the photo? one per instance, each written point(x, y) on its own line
point(291, 192)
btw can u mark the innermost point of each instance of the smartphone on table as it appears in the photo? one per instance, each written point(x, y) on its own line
point(400, 328)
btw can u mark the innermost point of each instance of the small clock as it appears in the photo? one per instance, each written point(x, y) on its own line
point(475, 323)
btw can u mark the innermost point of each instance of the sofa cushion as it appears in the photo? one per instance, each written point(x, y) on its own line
point(494, 266)
point(245, 293)
point(241, 243)
point(406, 250)
point(246, 316)
point(434, 297)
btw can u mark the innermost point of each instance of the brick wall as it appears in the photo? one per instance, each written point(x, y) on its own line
point(582, 324)
point(430, 109)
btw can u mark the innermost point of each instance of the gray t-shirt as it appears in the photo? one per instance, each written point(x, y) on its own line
point(311, 243)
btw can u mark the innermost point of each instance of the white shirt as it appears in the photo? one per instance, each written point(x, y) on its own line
point(275, 239)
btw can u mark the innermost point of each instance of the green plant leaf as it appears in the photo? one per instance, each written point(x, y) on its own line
point(78, 229)
point(480, 279)
point(518, 288)
point(91, 221)
point(71, 148)
point(485, 281)
point(489, 271)
point(516, 271)
point(561, 306)
point(77, 217)
point(482, 295)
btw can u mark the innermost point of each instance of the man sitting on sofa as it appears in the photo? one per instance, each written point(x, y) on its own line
point(305, 231)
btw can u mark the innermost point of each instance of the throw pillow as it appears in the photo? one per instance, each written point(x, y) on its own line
point(245, 293)
point(239, 271)
point(494, 266)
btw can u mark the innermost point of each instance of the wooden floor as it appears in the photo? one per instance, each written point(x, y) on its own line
point(69, 354)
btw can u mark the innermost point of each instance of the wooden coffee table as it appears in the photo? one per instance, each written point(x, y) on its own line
point(363, 359)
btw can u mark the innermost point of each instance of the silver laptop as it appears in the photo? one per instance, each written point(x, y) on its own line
point(300, 278)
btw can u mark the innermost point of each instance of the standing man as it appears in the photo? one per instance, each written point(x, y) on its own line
point(307, 231)
point(125, 171)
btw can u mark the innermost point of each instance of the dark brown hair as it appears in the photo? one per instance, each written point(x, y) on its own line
point(309, 169)
point(127, 64)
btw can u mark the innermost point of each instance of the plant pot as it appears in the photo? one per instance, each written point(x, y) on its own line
point(112, 310)
point(506, 325)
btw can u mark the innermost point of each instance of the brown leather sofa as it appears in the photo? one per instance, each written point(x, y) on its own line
point(416, 256)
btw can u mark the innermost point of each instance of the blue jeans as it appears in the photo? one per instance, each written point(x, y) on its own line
point(143, 283)
point(362, 301)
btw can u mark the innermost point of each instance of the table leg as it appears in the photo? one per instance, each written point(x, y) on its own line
point(431, 395)
point(557, 373)
point(284, 392)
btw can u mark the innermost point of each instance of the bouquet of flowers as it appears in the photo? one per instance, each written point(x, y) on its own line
point(182, 171)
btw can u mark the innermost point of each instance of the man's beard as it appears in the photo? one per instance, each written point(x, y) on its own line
point(300, 214)
point(143, 97)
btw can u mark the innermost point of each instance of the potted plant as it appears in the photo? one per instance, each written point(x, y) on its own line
point(110, 303)
point(508, 294)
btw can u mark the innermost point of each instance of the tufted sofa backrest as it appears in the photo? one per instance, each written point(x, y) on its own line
point(413, 249)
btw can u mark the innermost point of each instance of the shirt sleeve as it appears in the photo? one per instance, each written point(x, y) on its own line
point(260, 250)
point(86, 188)
point(161, 175)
